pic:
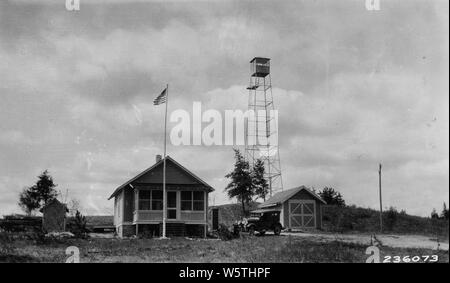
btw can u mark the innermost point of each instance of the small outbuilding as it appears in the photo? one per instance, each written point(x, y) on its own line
point(300, 208)
point(54, 216)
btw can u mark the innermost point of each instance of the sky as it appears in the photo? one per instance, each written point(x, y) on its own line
point(354, 88)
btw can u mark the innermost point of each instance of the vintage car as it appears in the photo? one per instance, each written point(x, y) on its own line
point(262, 222)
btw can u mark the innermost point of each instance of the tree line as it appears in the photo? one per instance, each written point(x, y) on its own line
point(442, 215)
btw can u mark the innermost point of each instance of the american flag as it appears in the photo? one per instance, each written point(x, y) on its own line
point(161, 98)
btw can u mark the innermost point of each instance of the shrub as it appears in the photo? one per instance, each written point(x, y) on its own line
point(358, 219)
point(224, 233)
point(390, 218)
point(6, 240)
point(434, 214)
point(79, 226)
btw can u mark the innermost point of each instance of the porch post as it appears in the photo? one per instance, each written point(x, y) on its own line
point(136, 209)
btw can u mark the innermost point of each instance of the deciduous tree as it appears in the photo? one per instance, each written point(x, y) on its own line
point(36, 196)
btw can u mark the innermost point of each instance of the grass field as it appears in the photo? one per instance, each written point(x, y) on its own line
point(245, 249)
point(335, 244)
point(353, 219)
point(358, 219)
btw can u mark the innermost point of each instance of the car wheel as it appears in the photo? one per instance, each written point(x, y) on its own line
point(277, 230)
point(251, 230)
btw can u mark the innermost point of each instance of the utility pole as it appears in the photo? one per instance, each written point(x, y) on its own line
point(381, 201)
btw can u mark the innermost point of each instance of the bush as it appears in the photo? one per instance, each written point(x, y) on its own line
point(79, 226)
point(434, 214)
point(6, 239)
point(390, 218)
point(358, 219)
point(20, 223)
point(224, 233)
point(350, 218)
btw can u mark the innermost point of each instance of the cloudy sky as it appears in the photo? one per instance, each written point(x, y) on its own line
point(353, 88)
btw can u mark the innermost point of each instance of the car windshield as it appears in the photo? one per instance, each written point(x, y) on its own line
point(265, 216)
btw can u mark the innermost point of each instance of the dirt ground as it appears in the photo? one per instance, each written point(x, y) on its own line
point(394, 241)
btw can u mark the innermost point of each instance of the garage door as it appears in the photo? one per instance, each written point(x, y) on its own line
point(301, 214)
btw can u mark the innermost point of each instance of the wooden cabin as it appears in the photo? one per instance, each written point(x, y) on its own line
point(138, 203)
point(299, 208)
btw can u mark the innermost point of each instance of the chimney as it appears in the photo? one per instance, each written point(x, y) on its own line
point(158, 158)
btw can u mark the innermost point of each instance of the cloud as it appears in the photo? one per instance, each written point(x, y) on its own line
point(352, 88)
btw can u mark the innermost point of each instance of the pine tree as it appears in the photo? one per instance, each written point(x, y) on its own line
point(240, 186)
point(444, 213)
point(80, 226)
point(259, 182)
point(332, 197)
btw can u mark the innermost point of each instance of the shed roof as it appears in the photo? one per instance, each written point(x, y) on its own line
point(168, 158)
point(266, 210)
point(54, 202)
point(285, 195)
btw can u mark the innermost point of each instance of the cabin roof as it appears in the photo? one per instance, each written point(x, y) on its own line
point(168, 158)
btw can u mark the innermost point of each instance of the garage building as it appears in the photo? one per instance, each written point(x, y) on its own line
point(300, 208)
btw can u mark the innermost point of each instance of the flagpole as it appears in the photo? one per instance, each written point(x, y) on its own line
point(164, 166)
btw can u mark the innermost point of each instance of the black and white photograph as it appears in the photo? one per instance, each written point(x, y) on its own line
point(231, 133)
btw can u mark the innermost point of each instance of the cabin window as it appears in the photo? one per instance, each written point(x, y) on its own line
point(144, 200)
point(186, 200)
point(199, 201)
point(150, 200)
point(192, 200)
point(157, 200)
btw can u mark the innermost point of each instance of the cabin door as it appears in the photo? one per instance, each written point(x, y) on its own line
point(171, 205)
